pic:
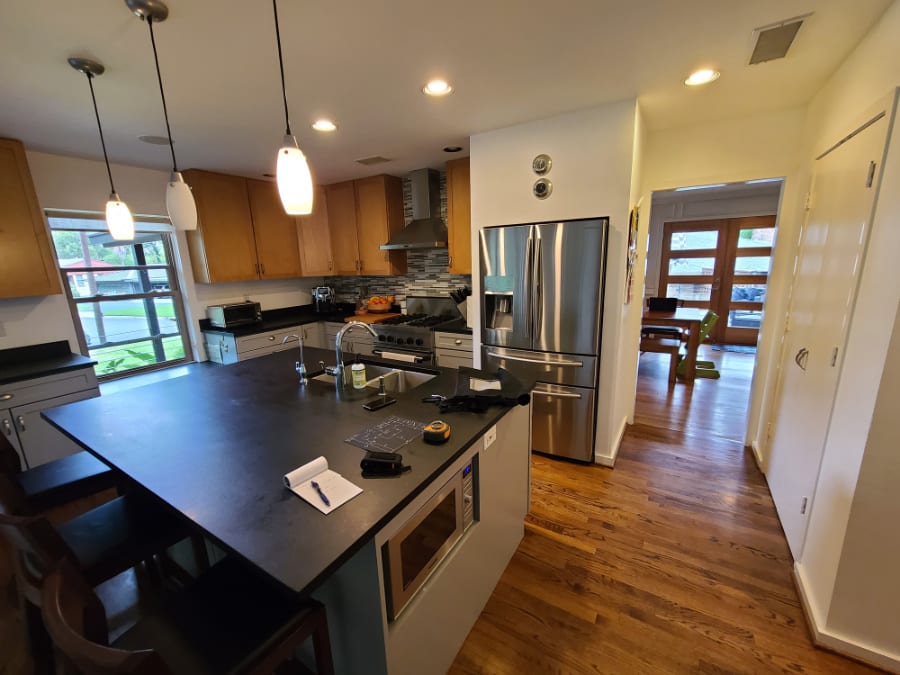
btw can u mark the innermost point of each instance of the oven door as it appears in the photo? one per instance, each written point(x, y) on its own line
point(413, 553)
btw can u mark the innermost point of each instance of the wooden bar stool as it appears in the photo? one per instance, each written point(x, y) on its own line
point(227, 621)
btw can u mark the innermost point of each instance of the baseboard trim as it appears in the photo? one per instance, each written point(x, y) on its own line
point(610, 460)
point(835, 642)
point(757, 455)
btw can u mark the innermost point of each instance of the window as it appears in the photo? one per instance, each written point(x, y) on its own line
point(124, 295)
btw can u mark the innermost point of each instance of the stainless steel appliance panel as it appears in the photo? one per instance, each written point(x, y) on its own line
point(562, 421)
point(506, 307)
point(575, 370)
point(568, 273)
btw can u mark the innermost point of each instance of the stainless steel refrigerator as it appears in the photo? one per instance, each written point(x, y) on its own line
point(542, 308)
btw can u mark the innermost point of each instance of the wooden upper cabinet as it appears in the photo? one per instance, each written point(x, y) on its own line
point(26, 257)
point(379, 208)
point(341, 204)
point(274, 231)
point(459, 216)
point(314, 238)
point(222, 247)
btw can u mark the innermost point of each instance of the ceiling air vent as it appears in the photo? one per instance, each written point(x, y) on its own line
point(773, 41)
point(376, 159)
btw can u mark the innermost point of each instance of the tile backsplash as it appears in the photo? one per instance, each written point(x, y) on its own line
point(426, 268)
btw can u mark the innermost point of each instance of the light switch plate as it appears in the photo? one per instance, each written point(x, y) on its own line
point(490, 437)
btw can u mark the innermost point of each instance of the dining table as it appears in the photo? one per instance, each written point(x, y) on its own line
point(688, 319)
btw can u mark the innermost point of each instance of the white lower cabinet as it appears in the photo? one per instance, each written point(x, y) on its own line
point(453, 350)
point(356, 341)
point(224, 347)
point(36, 440)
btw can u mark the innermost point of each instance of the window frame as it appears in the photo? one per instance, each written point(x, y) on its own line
point(144, 225)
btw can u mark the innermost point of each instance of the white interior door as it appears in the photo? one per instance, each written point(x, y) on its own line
point(826, 277)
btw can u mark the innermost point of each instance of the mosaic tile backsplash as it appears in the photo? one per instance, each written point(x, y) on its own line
point(426, 268)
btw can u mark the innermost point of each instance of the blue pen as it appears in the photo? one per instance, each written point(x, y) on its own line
point(318, 489)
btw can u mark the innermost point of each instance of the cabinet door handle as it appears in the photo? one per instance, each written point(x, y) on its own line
point(802, 357)
point(458, 342)
point(262, 268)
point(21, 421)
point(7, 427)
point(271, 337)
point(6, 397)
point(224, 346)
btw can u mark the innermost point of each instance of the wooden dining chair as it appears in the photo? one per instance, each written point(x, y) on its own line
point(661, 345)
point(58, 482)
point(123, 533)
point(227, 621)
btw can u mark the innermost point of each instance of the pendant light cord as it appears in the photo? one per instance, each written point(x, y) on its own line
point(287, 121)
point(162, 94)
point(90, 79)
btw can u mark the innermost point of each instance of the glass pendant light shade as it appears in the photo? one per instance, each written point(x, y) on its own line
point(180, 203)
point(118, 219)
point(295, 186)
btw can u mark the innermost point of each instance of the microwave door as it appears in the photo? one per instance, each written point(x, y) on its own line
point(506, 286)
point(569, 259)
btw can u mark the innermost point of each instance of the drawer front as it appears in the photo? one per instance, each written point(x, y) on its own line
point(453, 341)
point(268, 341)
point(574, 370)
point(562, 421)
point(51, 386)
point(447, 358)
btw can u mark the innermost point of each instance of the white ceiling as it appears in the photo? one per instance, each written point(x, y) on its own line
point(363, 63)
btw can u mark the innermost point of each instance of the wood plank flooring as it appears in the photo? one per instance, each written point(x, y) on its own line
point(673, 562)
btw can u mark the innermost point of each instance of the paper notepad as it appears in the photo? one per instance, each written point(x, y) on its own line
point(337, 489)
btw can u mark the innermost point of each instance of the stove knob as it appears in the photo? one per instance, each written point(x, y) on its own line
point(381, 338)
point(390, 338)
point(409, 341)
point(419, 342)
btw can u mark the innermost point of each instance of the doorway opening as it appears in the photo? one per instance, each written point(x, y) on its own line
point(711, 248)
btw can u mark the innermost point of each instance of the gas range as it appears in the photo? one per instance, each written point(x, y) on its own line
point(411, 335)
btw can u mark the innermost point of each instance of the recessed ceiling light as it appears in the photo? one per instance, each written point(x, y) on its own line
point(704, 76)
point(700, 187)
point(437, 88)
point(324, 125)
point(453, 148)
point(154, 140)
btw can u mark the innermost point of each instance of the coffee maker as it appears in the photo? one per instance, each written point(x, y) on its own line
point(323, 299)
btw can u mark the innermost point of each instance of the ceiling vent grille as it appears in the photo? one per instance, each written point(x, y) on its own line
point(772, 42)
point(375, 159)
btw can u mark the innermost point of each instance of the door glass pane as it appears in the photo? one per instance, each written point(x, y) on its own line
point(761, 236)
point(689, 291)
point(692, 241)
point(692, 266)
point(748, 293)
point(744, 318)
point(751, 264)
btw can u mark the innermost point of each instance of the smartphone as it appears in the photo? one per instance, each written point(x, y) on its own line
point(378, 403)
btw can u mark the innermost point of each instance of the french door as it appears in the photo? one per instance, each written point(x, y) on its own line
point(722, 265)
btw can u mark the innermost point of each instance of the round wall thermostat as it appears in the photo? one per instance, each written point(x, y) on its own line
point(541, 164)
point(542, 188)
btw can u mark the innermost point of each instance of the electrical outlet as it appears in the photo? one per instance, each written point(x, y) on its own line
point(490, 437)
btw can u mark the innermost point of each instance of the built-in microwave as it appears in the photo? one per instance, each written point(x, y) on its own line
point(236, 314)
point(416, 550)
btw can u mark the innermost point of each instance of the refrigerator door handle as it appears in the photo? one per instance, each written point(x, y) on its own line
point(538, 289)
point(557, 394)
point(562, 363)
point(529, 290)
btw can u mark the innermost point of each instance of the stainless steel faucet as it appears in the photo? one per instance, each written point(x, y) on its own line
point(338, 370)
point(299, 366)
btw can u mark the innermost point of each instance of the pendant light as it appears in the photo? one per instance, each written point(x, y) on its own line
point(179, 198)
point(118, 216)
point(291, 170)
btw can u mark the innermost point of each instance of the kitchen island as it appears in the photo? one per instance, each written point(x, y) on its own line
point(214, 445)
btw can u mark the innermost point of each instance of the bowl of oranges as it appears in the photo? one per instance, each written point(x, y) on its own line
point(381, 303)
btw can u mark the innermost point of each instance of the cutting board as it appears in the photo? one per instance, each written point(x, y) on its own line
point(372, 317)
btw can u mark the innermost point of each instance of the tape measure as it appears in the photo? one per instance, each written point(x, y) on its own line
point(436, 432)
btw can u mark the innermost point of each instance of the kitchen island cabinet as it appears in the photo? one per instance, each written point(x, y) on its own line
point(223, 438)
point(27, 265)
point(242, 231)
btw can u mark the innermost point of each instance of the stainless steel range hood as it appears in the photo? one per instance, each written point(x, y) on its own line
point(426, 230)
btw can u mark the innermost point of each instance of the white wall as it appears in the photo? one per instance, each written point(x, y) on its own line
point(74, 184)
point(767, 145)
point(592, 171)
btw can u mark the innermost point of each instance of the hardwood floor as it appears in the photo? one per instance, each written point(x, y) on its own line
point(673, 562)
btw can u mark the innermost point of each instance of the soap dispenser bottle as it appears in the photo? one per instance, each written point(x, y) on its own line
point(358, 371)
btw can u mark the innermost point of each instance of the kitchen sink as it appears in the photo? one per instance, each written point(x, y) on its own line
point(395, 379)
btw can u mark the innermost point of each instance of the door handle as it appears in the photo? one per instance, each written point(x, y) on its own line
point(801, 358)
point(556, 394)
point(6, 397)
point(538, 300)
point(21, 421)
point(529, 287)
point(7, 427)
point(564, 364)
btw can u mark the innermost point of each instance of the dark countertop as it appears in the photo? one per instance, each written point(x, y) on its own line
point(50, 358)
point(219, 441)
point(458, 326)
point(275, 319)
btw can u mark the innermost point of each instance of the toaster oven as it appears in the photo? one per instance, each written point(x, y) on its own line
point(236, 314)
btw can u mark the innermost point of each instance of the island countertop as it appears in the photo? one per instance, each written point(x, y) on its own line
point(214, 445)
